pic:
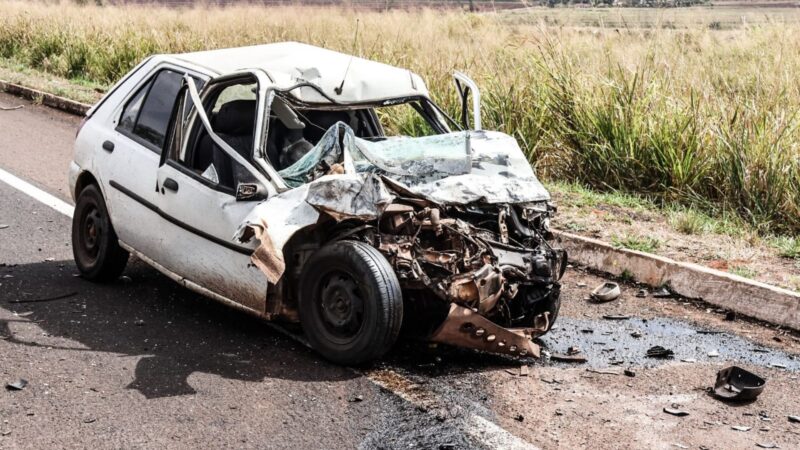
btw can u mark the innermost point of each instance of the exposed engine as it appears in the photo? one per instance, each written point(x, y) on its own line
point(491, 260)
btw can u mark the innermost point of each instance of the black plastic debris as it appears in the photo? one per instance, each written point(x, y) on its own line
point(17, 385)
point(616, 317)
point(676, 412)
point(794, 419)
point(568, 358)
point(736, 384)
point(519, 417)
point(658, 351)
point(730, 316)
point(629, 373)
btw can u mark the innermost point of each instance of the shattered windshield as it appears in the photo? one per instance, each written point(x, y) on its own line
point(458, 167)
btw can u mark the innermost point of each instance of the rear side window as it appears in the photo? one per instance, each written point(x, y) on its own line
point(146, 116)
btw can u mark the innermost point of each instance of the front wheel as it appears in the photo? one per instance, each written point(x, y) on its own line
point(350, 304)
point(94, 243)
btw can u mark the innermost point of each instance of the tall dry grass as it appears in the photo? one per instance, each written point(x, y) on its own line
point(696, 115)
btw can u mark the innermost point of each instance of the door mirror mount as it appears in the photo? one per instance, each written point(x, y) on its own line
point(248, 192)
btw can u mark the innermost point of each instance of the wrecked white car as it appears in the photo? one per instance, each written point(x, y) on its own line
point(271, 178)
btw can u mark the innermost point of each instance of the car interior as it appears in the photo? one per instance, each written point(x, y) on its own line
point(293, 131)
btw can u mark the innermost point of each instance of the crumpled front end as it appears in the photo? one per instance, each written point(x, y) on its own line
point(489, 268)
point(469, 244)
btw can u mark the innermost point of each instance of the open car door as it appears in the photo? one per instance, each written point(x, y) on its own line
point(205, 193)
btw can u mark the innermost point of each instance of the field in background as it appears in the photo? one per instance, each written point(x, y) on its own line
point(680, 106)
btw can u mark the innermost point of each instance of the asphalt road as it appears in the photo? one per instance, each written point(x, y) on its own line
point(143, 363)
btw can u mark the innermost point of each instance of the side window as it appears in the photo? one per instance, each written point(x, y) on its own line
point(147, 114)
point(131, 111)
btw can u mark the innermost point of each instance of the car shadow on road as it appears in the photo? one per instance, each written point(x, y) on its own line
point(172, 330)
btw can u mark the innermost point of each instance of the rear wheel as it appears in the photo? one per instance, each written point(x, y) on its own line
point(94, 243)
point(351, 306)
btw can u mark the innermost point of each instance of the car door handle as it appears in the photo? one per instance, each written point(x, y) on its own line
point(108, 146)
point(170, 184)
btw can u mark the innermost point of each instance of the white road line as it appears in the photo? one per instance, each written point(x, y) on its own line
point(478, 428)
point(38, 194)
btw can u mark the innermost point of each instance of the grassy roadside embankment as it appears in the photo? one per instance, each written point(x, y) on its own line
point(679, 112)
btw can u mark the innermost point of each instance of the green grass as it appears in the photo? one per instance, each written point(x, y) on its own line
point(788, 247)
point(743, 271)
point(640, 243)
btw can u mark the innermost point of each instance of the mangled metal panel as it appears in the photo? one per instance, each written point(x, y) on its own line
point(433, 167)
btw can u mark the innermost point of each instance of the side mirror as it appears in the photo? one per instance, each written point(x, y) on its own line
point(465, 85)
point(248, 192)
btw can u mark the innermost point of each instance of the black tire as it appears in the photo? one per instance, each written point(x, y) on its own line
point(94, 243)
point(350, 304)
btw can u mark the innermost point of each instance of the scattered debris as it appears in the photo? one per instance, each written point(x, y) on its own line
point(641, 293)
point(736, 384)
point(629, 373)
point(356, 399)
point(767, 445)
point(777, 365)
point(89, 420)
point(3, 226)
point(568, 358)
point(662, 292)
point(689, 360)
point(139, 322)
point(559, 412)
point(709, 332)
point(17, 385)
point(519, 417)
point(603, 372)
point(713, 354)
point(616, 317)
point(587, 330)
point(573, 350)
point(679, 445)
point(46, 299)
point(636, 334)
point(658, 351)
point(794, 419)
point(11, 108)
point(676, 412)
point(759, 350)
point(740, 428)
point(606, 292)
point(524, 370)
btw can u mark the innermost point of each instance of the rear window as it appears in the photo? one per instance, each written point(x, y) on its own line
point(147, 114)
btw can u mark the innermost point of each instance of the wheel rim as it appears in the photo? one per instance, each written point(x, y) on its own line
point(340, 306)
point(91, 231)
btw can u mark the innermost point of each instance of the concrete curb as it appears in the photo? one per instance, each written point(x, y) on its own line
point(751, 298)
point(51, 100)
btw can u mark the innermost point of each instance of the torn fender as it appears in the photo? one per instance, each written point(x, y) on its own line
point(274, 221)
